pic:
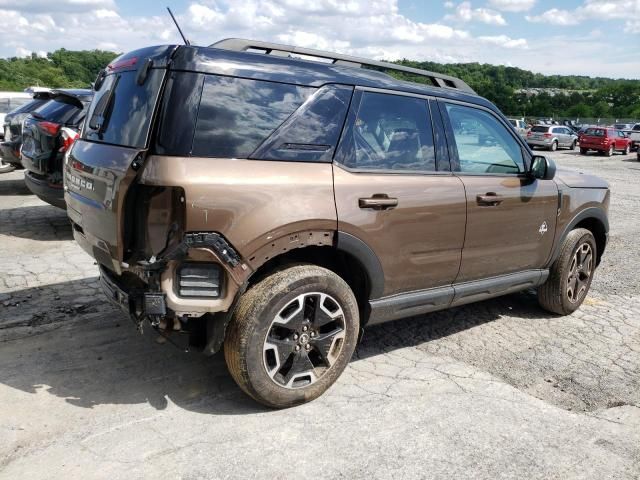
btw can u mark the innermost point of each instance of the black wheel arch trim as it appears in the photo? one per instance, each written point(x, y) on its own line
point(591, 212)
point(366, 256)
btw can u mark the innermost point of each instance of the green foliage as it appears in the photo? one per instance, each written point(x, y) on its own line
point(585, 96)
point(60, 69)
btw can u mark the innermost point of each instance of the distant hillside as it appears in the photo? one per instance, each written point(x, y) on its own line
point(588, 96)
point(61, 69)
point(507, 87)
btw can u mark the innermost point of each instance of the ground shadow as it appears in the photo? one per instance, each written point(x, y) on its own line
point(37, 222)
point(89, 353)
point(15, 187)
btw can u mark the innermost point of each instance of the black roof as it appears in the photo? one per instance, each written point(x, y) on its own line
point(258, 66)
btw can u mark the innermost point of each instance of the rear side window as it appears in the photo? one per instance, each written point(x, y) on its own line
point(236, 115)
point(312, 132)
point(390, 133)
point(539, 129)
point(121, 111)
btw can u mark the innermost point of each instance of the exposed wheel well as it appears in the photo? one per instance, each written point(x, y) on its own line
point(343, 264)
point(596, 227)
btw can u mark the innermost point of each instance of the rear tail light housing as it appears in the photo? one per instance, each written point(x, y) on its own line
point(68, 136)
point(199, 280)
point(548, 135)
point(50, 128)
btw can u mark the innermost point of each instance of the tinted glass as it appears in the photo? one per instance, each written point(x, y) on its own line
point(539, 129)
point(312, 132)
point(179, 112)
point(30, 106)
point(121, 111)
point(57, 110)
point(594, 132)
point(514, 122)
point(390, 132)
point(484, 144)
point(9, 104)
point(236, 115)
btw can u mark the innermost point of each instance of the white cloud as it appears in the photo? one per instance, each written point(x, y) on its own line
point(555, 17)
point(512, 5)
point(369, 28)
point(465, 13)
point(601, 10)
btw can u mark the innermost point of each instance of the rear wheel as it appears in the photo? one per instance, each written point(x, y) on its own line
point(571, 274)
point(584, 151)
point(627, 150)
point(554, 146)
point(610, 151)
point(573, 145)
point(292, 335)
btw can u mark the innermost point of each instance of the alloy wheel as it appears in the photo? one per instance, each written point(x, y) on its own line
point(580, 273)
point(304, 340)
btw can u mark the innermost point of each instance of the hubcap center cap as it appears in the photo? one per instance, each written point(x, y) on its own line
point(304, 339)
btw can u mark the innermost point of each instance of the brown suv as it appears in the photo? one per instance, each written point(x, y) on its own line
point(243, 196)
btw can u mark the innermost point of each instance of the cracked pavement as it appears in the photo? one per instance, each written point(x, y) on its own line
point(499, 389)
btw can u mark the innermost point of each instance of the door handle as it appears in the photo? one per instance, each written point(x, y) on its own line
point(379, 201)
point(490, 199)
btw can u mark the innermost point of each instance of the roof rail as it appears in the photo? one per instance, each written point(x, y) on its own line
point(243, 45)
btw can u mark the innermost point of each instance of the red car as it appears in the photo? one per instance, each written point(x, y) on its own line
point(604, 140)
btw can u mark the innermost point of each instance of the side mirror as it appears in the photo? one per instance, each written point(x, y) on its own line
point(542, 168)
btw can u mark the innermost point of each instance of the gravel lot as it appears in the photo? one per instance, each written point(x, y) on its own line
point(498, 389)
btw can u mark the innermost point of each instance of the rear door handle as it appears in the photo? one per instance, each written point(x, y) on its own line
point(489, 199)
point(379, 201)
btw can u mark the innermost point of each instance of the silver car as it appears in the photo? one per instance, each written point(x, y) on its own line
point(520, 126)
point(551, 137)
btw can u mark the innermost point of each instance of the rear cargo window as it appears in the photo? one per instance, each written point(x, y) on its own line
point(540, 129)
point(31, 106)
point(121, 111)
point(58, 110)
point(236, 115)
point(594, 132)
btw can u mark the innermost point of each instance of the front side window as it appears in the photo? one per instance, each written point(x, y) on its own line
point(484, 144)
point(391, 133)
point(236, 115)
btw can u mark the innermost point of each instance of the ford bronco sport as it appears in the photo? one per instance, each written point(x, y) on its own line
point(276, 200)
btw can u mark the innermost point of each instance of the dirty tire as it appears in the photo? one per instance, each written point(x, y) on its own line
point(553, 295)
point(252, 321)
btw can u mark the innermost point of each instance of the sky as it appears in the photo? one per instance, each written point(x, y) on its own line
point(578, 37)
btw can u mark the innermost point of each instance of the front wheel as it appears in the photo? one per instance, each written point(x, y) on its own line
point(584, 151)
point(571, 274)
point(292, 335)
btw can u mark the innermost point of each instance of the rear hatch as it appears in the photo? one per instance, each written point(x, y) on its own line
point(594, 137)
point(538, 132)
point(103, 163)
point(41, 129)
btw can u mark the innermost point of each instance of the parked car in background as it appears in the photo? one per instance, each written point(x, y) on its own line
point(276, 205)
point(605, 140)
point(520, 125)
point(623, 126)
point(9, 101)
point(47, 134)
point(12, 128)
point(634, 135)
point(551, 137)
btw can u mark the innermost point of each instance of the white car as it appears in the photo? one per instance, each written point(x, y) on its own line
point(10, 101)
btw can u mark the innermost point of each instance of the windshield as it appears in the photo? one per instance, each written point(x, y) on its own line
point(540, 129)
point(121, 111)
point(594, 132)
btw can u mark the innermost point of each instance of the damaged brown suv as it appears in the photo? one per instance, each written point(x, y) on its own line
point(276, 200)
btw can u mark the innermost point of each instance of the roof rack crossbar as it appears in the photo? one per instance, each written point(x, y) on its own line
point(243, 45)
